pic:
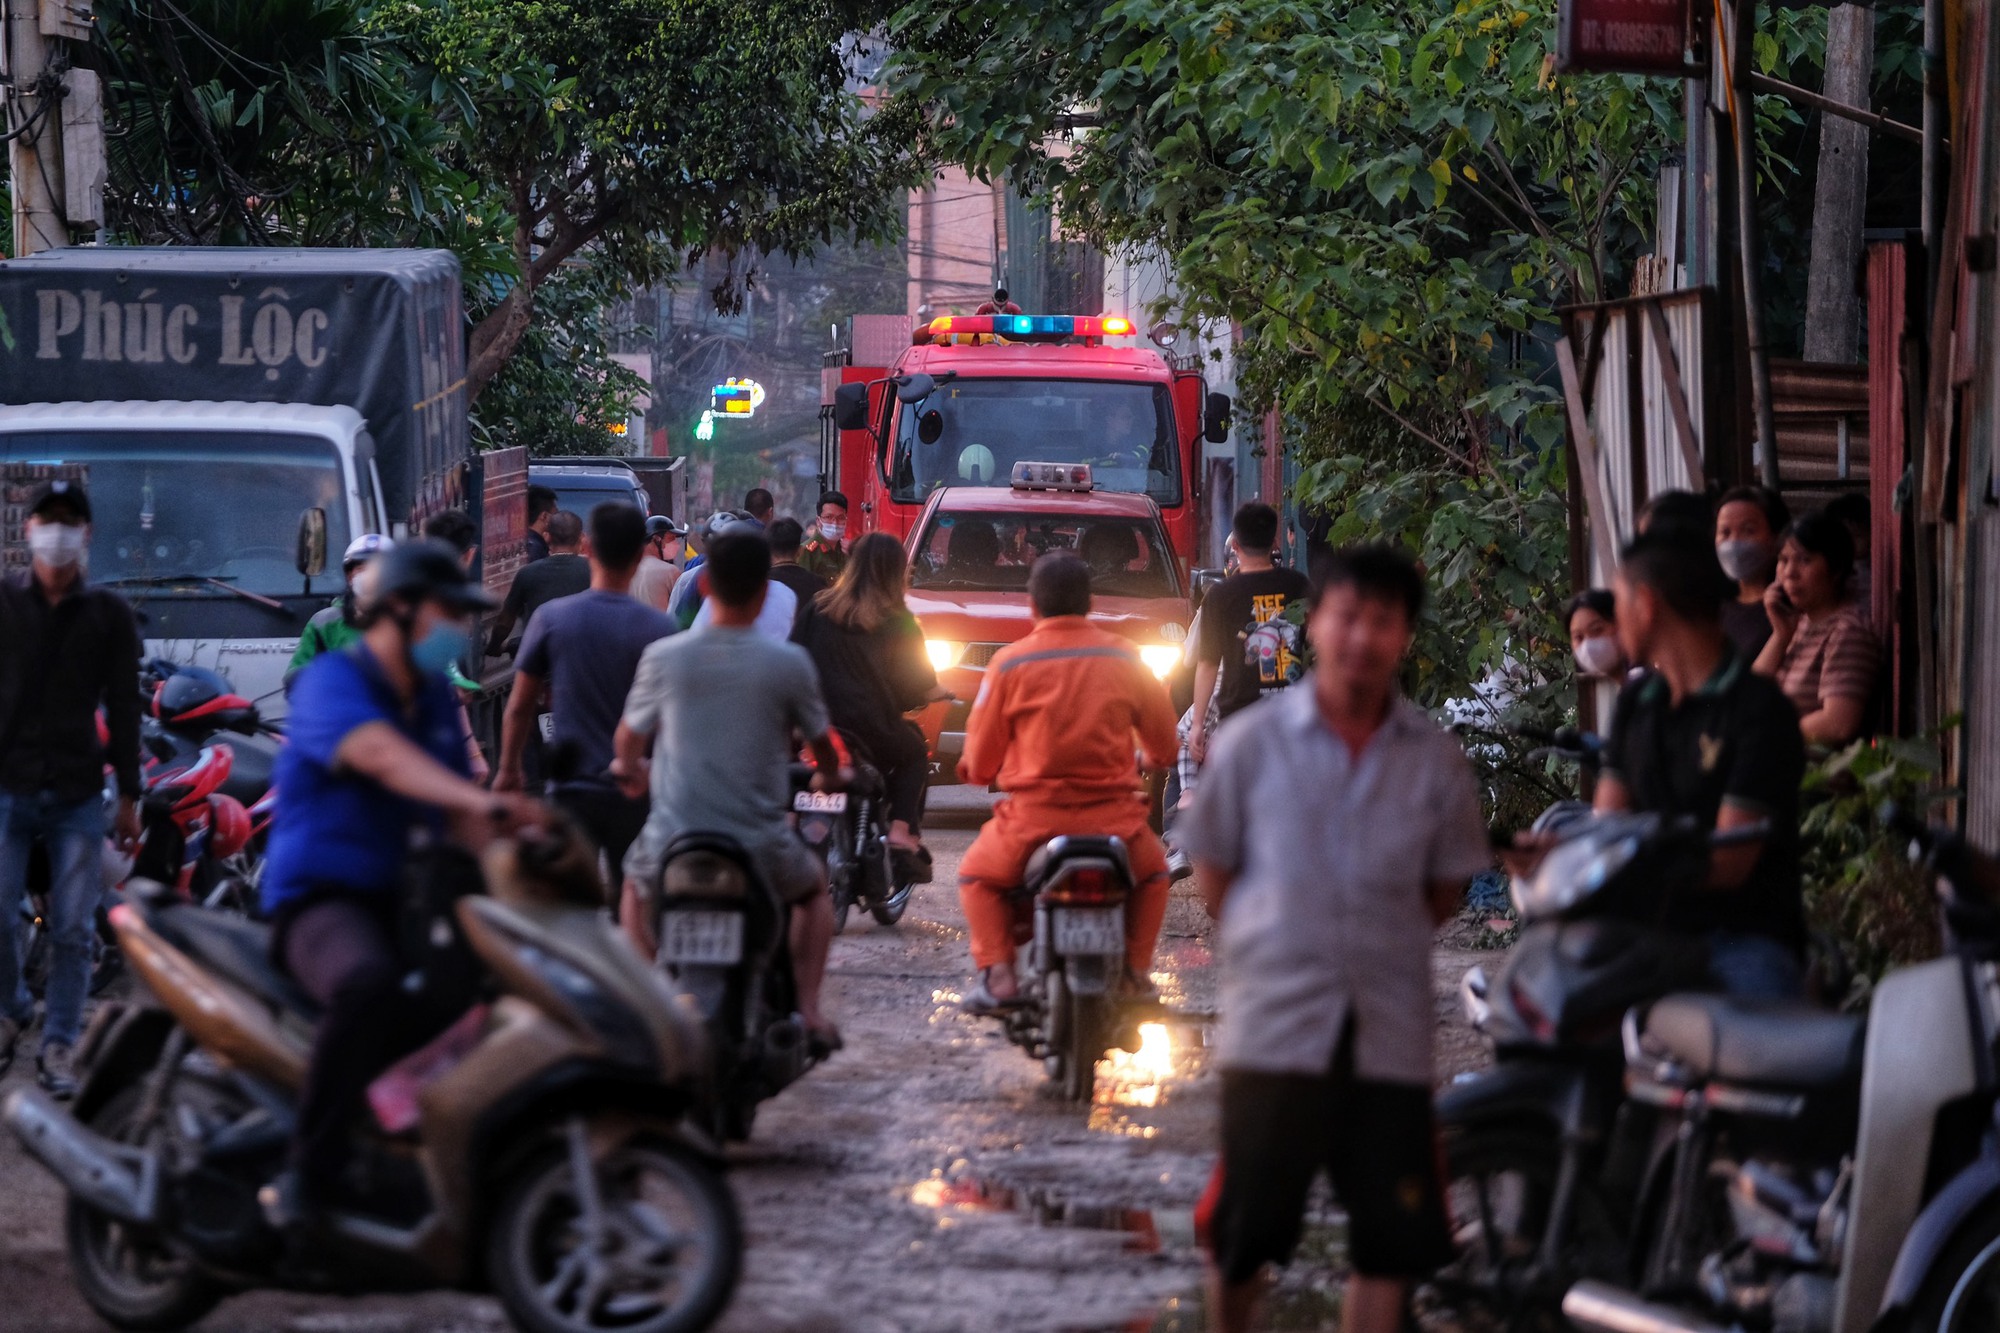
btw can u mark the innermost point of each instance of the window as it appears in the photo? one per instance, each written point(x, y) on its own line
point(976, 551)
point(221, 505)
point(971, 432)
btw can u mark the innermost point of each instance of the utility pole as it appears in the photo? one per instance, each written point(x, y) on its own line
point(54, 120)
point(1833, 314)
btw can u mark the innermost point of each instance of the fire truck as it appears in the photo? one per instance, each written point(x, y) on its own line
point(973, 395)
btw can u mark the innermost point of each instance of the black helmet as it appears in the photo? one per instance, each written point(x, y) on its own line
point(426, 570)
point(659, 525)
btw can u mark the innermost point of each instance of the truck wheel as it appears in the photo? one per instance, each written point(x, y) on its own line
point(129, 1274)
point(665, 1258)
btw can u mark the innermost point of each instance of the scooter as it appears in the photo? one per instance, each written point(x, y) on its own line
point(1827, 1173)
point(1072, 965)
point(541, 1148)
point(724, 939)
point(1545, 1155)
point(847, 831)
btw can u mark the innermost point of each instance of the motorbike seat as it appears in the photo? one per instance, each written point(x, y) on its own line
point(1073, 847)
point(1771, 1042)
point(239, 950)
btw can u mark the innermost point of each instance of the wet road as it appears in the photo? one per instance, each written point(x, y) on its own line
point(923, 1180)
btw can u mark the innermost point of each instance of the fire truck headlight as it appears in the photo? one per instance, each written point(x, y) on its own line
point(1160, 658)
point(944, 653)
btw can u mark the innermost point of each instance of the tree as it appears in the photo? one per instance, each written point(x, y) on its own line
point(1390, 201)
point(654, 133)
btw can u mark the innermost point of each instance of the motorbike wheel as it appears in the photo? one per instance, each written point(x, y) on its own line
point(1076, 1032)
point(665, 1260)
point(1961, 1293)
point(128, 1274)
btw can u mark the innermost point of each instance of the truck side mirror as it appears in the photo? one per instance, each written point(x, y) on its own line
point(1215, 420)
point(310, 558)
point(850, 407)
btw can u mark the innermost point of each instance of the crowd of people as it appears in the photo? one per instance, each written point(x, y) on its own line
point(1332, 823)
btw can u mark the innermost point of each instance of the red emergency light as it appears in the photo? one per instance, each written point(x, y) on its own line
point(1024, 328)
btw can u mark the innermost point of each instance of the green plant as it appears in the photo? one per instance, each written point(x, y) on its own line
point(1861, 890)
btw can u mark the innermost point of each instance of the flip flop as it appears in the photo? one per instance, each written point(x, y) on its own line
point(913, 864)
point(983, 1003)
point(823, 1042)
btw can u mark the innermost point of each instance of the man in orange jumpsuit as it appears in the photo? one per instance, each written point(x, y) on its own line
point(1058, 722)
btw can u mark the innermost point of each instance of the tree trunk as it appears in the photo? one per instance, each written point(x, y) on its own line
point(1833, 309)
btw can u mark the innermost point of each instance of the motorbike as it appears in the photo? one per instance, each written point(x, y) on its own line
point(1545, 1155)
point(1072, 966)
point(189, 709)
point(724, 939)
point(188, 830)
point(541, 1148)
point(1822, 1172)
point(847, 831)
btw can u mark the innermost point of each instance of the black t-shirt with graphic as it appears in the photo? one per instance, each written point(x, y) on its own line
point(1252, 627)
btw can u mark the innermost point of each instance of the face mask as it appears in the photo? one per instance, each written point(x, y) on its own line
point(1599, 656)
point(833, 532)
point(441, 649)
point(1751, 561)
point(56, 544)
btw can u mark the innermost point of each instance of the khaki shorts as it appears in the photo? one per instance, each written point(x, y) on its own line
point(787, 864)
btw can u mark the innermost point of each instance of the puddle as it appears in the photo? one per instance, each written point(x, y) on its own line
point(1146, 1230)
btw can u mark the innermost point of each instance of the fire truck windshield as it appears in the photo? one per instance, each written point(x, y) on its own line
point(971, 432)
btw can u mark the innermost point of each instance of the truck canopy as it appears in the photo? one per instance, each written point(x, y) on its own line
point(381, 331)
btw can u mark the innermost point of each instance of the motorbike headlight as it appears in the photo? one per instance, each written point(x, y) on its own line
point(944, 653)
point(592, 1007)
point(1160, 658)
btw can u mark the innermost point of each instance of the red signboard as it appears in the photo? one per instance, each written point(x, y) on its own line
point(1622, 36)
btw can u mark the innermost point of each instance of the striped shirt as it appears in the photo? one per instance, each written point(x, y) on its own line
point(1834, 656)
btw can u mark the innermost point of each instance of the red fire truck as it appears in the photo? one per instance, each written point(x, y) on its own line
point(972, 395)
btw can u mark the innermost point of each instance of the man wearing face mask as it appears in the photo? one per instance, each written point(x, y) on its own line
point(66, 649)
point(825, 550)
point(376, 753)
point(338, 625)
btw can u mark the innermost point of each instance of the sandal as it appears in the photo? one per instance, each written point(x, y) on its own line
point(823, 1042)
point(913, 865)
point(983, 1003)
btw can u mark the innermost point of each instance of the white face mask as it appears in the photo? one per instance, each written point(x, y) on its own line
point(834, 531)
point(1599, 656)
point(1742, 560)
point(57, 545)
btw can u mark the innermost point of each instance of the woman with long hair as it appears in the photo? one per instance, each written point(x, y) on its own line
point(873, 670)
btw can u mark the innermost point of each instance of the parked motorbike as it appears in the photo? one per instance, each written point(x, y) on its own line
point(1545, 1155)
point(725, 940)
point(1827, 1173)
point(192, 708)
point(1072, 967)
point(850, 834)
point(540, 1148)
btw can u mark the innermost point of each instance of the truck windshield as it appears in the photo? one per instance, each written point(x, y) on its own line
point(205, 504)
point(991, 552)
point(971, 432)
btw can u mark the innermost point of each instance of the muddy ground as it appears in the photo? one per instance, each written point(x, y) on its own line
point(924, 1180)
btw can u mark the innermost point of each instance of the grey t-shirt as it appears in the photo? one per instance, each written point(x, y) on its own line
point(723, 705)
point(587, 647)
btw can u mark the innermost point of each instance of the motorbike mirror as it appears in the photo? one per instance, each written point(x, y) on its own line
point(915, 388)
point(310, 559)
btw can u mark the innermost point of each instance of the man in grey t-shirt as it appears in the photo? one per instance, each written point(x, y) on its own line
point(722, 706)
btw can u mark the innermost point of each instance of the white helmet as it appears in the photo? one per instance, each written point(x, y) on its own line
point(364, 548)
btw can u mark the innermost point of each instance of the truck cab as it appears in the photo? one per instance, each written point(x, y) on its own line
point(975, 395)
point(970, 552)
point(196, 510)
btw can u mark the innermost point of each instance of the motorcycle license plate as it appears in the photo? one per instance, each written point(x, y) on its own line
point(1088, 929)
point(820, 802)
point(702, 937)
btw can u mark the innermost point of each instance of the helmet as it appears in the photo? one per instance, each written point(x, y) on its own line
point(198, 698)
point(229, 826)
point(426, 570)
point(659, 525)
point(364, 548)
point(727, 523)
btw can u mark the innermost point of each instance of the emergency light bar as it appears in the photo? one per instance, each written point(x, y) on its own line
point(1052, 477)
point(1025, 328)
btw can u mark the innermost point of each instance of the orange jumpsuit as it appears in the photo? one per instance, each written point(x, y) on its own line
point(1058, 721)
